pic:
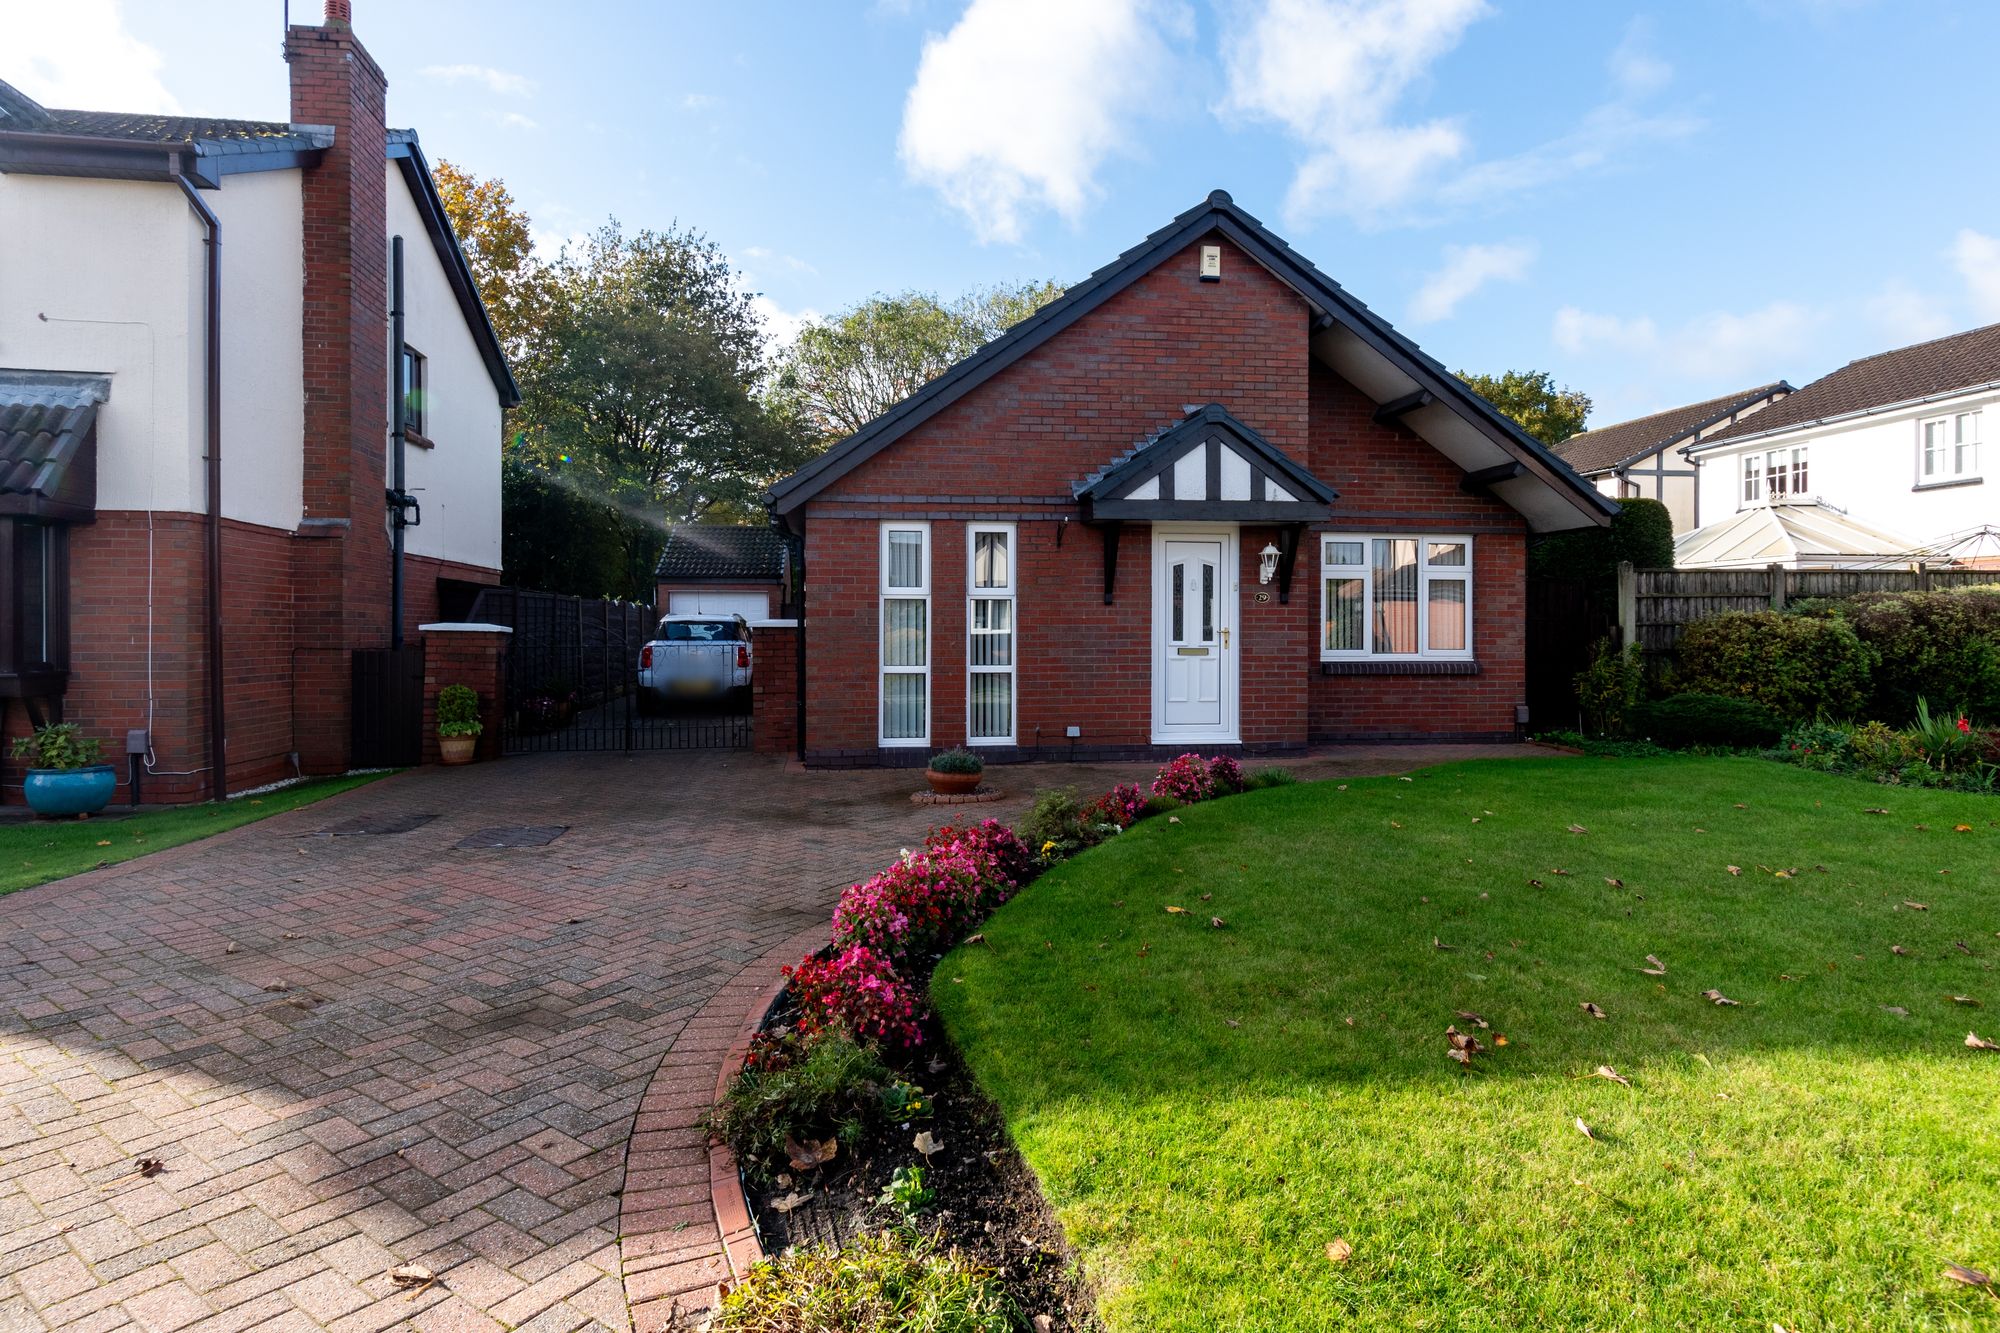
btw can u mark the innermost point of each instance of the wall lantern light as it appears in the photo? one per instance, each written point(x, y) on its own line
point(1267, 563)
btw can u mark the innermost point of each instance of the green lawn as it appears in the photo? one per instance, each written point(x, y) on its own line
point(39, 851)
point(1206, 1120)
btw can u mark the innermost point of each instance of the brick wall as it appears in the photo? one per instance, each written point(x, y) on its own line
point(774, 690)
point(1011, 449)
point(466, 657)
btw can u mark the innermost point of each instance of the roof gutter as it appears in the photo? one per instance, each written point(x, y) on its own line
point(218, 757)
point(1690, 450)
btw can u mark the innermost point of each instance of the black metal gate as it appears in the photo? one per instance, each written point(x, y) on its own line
point(572, 677)
point(388, 710)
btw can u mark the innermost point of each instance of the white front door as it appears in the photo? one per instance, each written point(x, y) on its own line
point(1194, 663)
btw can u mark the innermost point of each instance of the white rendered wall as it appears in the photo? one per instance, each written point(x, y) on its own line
point(457, 480)
point(263, 351)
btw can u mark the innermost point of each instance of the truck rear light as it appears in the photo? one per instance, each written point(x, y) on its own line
point(742, 655)
point(646, 657)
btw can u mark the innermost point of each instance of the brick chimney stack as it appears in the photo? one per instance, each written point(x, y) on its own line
point(341, 563)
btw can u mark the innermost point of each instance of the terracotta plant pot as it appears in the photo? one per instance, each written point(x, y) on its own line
point(953, 784)
point(456, 749)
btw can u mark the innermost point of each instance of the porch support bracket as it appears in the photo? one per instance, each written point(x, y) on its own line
point(1288, 554)
point(1480, 481)
point(1397, 408)
point(1110, 530)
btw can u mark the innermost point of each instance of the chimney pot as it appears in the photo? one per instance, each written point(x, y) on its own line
point(339, 13)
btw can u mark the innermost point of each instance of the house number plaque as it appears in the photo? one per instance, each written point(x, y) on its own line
point(1262, 598)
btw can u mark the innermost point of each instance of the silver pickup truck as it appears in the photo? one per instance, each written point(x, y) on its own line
point(695, 657)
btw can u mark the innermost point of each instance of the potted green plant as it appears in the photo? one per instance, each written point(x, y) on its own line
point(65, 775)
point(954, 772)
point(458, 723)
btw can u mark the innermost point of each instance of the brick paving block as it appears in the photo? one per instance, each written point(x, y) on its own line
point(55, 1280)
point(167, 1308)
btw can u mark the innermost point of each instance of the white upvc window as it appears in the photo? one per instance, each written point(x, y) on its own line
point(992, 647)
point(1948, 448)
point(1785, 472)
point(1395, 597)
point(906, 634)
point(1753, 479)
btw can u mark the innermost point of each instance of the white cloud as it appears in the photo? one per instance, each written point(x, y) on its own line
point(1903, 314)
point(1466, 269)
point(700, 101)
point(79, 55)
point(1978, 259)
point(497, 81)
point(1722, 348)
point(1017, 107)
point(782, 325)
point(514, 120)
point(792, 262)
point(1332, 72)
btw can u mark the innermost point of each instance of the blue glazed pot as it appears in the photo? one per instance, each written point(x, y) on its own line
point(70, 791)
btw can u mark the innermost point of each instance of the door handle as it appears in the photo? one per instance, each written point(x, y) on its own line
point(1225, 638)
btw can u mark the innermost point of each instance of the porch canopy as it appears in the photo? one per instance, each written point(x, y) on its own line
point(1207, 466)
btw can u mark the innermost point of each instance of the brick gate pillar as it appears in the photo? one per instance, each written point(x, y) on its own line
point(774, 687)
point(466, 653)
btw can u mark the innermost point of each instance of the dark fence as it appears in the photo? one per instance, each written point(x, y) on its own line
point(388, 711)
point(1653, 604)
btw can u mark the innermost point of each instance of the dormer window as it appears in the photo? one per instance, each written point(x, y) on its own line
point(1948, 449)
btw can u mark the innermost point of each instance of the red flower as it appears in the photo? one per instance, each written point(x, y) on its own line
point(1965, 726)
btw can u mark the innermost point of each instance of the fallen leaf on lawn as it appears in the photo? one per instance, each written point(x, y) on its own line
point(1234, 1022)
point(926, 1143)
point(1463, 1041)
point(1472, 1018)
point(1921, 828)
point(1499, 1039)
point(980, 938)
point(104, 842)
point(1916, 907)
point(1896, 1009)
point(1557, 870)
point(1899, 951)
point(1961, 946)
point(1349, 1020)
point(1176, 911)
point(1394, 824)
point(1654, 961)
point(1614, 882)
point(805, 1156)
point(1439, 944)
point(1607, 1072)
point(1875, 810)
point(1734, 870)
point(1578, 828)
point(1971, 1277)
point(412, 1275)
point(1584, 1129)
point(1979, 1043)
point(1961, 828)
point(1592, 1009)
point(1173, 819)
point(1535, 884)
point(1463, 1057)
point(1967, 1001)
point(1717, 997)
point(1206, 896)
point(1217, 923)
point(1741, 806)
point(791, 1201)
point(1338, 1250)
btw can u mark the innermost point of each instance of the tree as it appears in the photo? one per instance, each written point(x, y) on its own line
point(844, 372)
point(1534, 402)
point(557, 538)
point(642, 390)
point(499, 247)
point(1642, 531)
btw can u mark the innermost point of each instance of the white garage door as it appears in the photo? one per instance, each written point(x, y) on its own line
point(752, 606)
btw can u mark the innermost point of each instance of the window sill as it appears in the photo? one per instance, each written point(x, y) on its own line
point(1378, 666)
point(1948, 485)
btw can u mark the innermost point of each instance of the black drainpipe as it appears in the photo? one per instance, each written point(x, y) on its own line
point(218, 756)
point(399, 410)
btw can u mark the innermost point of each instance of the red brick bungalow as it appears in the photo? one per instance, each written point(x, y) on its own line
point(1207, 500)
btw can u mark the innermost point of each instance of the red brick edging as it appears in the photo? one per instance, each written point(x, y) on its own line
point(684, 1225)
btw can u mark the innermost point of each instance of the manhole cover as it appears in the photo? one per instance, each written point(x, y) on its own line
point(538, 835)
point(373, 825)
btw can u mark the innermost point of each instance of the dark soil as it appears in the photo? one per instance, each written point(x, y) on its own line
point(988, 1205)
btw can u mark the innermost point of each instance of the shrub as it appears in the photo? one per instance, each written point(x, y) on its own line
point(1269, 777)
point(958, 759)
point(1058, 825)
point(1122, 805)
point(1187, 779)
point(1641, 532)
point(458, 711)
point(1796, 666)
point(801, 1088)
point(59, 745)
point(1946, 743)
point(1157, 804)
point(1941, 644)
point(1879, 748)
point(1225, 775)
point(997, 846)
point(1608, 687)
point(929, 899)
point(1706, 719)
point(856, 991)
point(893, 1282)
point(1826, 746)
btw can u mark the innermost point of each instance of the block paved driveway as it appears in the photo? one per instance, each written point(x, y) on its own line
point(354, 1052)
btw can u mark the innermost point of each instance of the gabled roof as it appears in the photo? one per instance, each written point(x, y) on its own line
point(1804, 534)
point(1613, 446)
point(1491, 436)
point(714, 552)
point(48, 463)
point(1906, 375)
point(1235, 473)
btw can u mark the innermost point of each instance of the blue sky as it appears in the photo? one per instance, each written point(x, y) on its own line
point(1657, 203)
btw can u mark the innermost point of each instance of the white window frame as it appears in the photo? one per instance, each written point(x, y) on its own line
point(1782, 472)
point(1957, 425)
point(1004, 593)
point(1751, 485)
point(1365, 571)
point(887, 595)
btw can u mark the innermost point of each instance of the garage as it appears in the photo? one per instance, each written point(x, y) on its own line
point(752, 606)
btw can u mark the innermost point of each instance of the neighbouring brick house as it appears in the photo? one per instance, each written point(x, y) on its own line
point(144, 525)
point(1205, 500)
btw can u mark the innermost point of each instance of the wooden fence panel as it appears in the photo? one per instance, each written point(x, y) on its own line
point(1655, 604)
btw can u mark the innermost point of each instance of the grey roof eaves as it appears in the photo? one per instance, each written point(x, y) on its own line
point(1217, 213)
point(1874, 409)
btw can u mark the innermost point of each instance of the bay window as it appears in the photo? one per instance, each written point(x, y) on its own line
point(906, 634)
point(1950, 449)
point(1395, 596)
point(989, 623)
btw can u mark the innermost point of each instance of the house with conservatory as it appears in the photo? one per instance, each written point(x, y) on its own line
point(1208, 499)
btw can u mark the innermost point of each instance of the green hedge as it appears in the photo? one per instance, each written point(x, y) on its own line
point(1944, 646)
point(1796, 666)
point(1706, 719)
